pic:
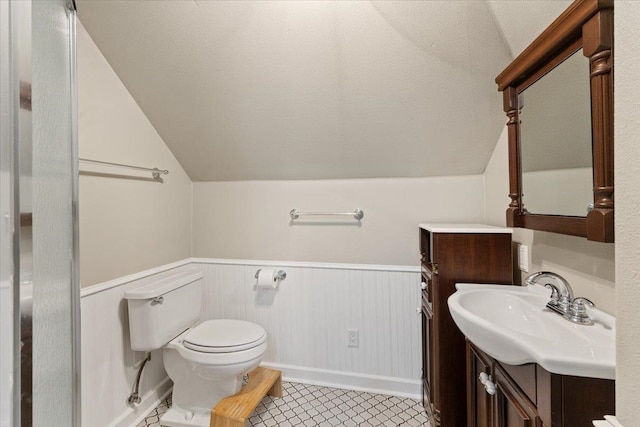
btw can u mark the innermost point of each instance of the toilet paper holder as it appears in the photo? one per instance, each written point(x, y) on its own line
point(280, 275)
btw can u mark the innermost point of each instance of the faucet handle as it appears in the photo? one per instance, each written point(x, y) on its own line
point(578, 303)
point(577, 312)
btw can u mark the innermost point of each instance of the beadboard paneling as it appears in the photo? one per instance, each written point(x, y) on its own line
point(109, 365)
point(307, 317)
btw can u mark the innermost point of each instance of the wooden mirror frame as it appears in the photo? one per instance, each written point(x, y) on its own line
point(586, 24)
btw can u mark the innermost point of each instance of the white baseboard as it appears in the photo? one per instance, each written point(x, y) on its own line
point(391, 386)
point(133, 415)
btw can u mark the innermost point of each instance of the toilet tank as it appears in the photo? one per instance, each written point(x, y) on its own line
point(163, 308)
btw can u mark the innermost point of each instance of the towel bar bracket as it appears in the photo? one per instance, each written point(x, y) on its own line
point(357, 214)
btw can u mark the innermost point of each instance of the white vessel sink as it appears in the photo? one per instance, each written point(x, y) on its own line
point(512, 324)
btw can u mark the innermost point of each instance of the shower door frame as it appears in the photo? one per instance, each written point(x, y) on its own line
point(9, 212)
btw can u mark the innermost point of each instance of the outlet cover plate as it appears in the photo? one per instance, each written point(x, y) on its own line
point(523, 258)
point(353, 338)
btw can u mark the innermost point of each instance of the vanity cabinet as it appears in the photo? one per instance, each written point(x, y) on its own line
point(529, 396)
point(450, 254)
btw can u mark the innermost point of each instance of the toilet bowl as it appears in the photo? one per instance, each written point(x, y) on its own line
point(206, 361)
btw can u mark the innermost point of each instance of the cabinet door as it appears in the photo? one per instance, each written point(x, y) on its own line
point(511, 406)
point(478, 399)
point(427, 359)
point(435, 365)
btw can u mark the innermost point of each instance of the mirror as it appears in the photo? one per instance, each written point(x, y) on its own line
point(555, 140)
point(558, 97)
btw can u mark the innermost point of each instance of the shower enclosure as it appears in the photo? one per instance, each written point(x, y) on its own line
point(39, 285)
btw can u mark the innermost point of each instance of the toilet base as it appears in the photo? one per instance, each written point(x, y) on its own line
point(193, 401)
point(176, 417)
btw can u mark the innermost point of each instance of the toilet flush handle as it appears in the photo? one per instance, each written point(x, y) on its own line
point(157, 300)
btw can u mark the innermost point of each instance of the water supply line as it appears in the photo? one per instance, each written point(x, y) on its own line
point(134, 398)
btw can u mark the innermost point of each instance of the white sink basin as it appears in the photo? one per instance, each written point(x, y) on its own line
point(512, 324)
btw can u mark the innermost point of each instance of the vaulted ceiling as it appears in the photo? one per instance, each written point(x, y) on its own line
point(244, 90)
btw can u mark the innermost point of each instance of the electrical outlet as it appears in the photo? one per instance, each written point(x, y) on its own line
point(353, 338)
point(523, 258)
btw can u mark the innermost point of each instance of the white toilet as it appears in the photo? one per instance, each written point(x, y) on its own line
point(206, 361)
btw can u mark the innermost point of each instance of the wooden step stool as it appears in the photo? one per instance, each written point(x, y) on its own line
point(234, 410)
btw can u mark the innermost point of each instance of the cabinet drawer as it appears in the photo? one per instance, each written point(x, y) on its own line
point(427, 287)
point(427, 308)
point(428, 277)
point(428, 269)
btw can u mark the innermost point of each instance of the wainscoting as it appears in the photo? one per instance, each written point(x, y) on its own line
point(306, 318)
point(108, 363)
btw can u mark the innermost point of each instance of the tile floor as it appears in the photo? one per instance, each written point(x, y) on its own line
point(308, 405)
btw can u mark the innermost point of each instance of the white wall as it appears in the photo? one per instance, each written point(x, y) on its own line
point(250, 219)
point(127, 224)
point(627, 175)
point(588, 266)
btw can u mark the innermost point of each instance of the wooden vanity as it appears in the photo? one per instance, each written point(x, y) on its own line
point(452, 253)
point(529, 396)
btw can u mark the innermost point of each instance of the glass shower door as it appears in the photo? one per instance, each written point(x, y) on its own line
point(56, 288)
point(39, 293)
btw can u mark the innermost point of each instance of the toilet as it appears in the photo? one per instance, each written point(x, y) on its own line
point(207, 360)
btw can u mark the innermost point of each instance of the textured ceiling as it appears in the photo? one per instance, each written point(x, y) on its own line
point(245, 90)
point(521, 21)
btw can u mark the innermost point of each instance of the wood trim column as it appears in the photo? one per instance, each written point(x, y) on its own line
point(598, 46)
point(510, 105)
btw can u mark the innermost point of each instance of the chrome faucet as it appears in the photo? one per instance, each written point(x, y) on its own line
point(562, 300)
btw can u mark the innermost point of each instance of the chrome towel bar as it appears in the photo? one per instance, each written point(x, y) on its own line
point(155, 172)
point(357, 214)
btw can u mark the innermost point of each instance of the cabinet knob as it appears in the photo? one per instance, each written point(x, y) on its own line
point(483, 377)
point(423, 285)
point(419, 310)
point(487, 382)
point(490, 388)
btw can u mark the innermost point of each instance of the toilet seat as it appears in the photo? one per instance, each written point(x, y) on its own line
point(224, 336)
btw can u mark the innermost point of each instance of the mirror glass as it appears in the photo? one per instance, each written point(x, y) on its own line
point(555, 140)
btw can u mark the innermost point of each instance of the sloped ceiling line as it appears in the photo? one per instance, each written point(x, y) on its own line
point(261, 90)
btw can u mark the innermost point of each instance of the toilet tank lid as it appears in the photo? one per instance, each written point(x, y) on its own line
point(162, 285)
